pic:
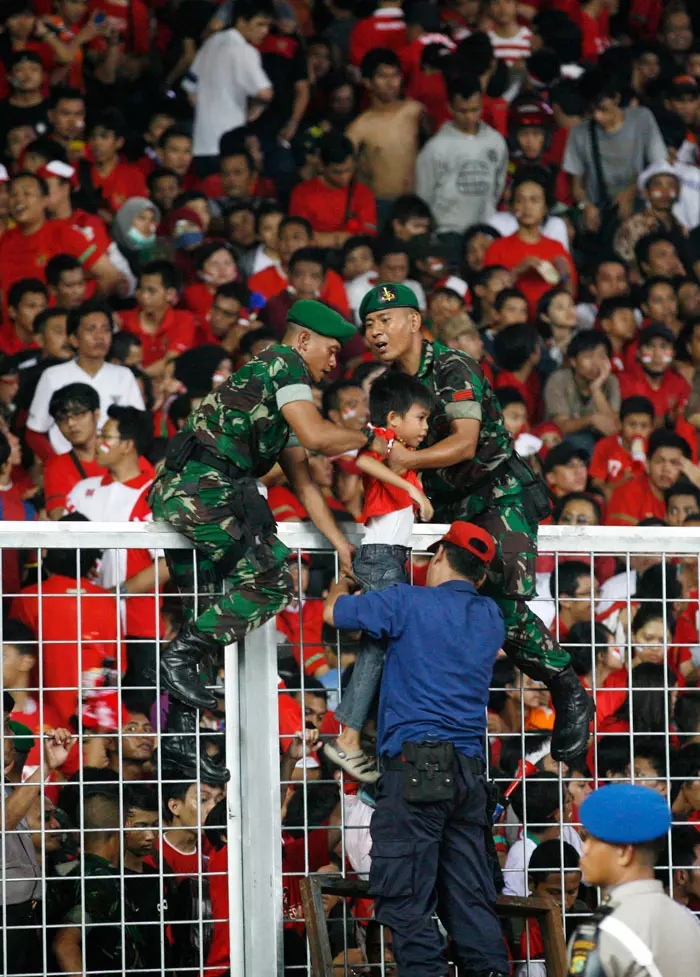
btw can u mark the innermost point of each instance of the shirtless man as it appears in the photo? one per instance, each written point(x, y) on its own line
point(386, 134)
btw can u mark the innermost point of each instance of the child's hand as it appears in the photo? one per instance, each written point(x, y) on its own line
point(425, 507)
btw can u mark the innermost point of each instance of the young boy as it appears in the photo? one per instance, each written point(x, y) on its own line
point(165, 332)
point(622, 456)
point(553, 867)
point(75, 410)
point(654, 376)
point(517, 353)
point(400, 403)
point(510, 41)
point(117, 181)
point(617, 319)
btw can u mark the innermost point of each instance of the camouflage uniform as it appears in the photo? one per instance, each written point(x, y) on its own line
point(465, 491)
point(241, 422)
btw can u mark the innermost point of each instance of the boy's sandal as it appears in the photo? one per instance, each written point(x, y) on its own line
point(354, 762)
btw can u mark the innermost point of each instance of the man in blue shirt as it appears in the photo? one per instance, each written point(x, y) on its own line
point(430, 825)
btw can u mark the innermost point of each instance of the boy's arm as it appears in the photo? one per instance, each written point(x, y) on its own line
point(377, 469)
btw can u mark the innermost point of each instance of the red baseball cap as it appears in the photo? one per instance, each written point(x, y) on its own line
point(472, 538)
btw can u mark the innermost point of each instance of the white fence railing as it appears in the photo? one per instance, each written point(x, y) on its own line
point(255, 870)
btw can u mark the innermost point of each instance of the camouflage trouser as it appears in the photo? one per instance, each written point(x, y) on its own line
point(259, 584)
point(511, 581)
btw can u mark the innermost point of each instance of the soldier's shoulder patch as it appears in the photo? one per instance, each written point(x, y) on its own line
point(467, 394)
point(387, 294)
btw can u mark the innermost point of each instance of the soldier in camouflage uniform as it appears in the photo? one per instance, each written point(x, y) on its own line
point(471, 472)
point(207, 490)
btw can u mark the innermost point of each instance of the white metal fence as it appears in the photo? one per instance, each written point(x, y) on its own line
point(325, 823)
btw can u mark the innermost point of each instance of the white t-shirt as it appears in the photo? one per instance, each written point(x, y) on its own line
point(114, 384)
point(226, 72)
point(554, 227)
point(512, 49)
point(619, 587)
point(392, 529)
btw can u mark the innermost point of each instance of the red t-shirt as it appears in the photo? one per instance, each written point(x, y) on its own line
point(198, 299)
point(219, 956)
point(530, 390)
point(670, 396)
point(61, 474)
point(309, 623)
point(26, 255)
point(610, 695)
point(611, 462)
point(381, 498)
point(10, 342)
point(92, 227)
point(385, 29)
point(117, 187)
point(329, 208)
point(55, 620)
point(175, 333)
point(634, 501)
point(181, 864)
point(132, 18)
point(290, 717)
point(510, 251)
point(284, 504)
point(596, 34)
point(271, 281)
point(213, 187)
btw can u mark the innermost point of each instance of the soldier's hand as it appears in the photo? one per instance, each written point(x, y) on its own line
point(345, 552)
point(400, 458)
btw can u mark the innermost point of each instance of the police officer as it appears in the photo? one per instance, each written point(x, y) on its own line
point(470, 471)
point(431, 823)
point(207, 490)
point(639, 931)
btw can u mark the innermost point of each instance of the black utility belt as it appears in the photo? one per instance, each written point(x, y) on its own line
point(429, 770)
point(185, 446)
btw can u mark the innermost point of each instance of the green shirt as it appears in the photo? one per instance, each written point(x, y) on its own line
point(461, 391)
point(242, 420)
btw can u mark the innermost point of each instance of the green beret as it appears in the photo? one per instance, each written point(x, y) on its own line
point(321, 319)
point(22, 736)
point(388, 296)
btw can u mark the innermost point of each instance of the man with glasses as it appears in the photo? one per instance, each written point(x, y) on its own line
point(75, 410)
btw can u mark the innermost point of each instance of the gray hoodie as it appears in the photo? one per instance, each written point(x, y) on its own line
point(462, 177)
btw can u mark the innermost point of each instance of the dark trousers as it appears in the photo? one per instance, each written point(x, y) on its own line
point(24, 954)
point(431, 858)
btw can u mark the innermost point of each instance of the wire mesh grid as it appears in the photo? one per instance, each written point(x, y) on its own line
point(91, 882)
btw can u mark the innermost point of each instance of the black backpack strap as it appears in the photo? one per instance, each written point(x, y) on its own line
point(598, 163)
point(78, 463)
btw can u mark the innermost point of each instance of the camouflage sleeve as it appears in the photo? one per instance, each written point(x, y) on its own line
point(460, 388)
point(290, 378)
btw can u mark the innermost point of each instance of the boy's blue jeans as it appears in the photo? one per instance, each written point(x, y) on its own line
point(376, 567)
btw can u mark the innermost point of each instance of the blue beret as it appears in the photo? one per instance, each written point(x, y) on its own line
point(625, 814)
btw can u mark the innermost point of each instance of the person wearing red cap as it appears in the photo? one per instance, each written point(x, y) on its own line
point(430, 828)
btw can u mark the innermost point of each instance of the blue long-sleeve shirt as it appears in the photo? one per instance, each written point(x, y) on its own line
point(442, 644)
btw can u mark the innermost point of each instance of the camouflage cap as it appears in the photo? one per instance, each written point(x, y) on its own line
point(388, 296)
point(321, 319)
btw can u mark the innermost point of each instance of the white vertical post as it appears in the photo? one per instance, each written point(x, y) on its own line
point(260, 796)
point(233, 818)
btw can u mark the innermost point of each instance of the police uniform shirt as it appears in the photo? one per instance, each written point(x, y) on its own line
point(670, 931)
point(442, 643)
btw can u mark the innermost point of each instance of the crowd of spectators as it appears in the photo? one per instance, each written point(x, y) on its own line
point(174, 175)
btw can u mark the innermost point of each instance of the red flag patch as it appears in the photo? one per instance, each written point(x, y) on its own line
point(464, 394)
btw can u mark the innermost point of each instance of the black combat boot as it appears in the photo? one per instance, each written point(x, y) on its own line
point(574, 710)
point(179, 668)
point(179, 753)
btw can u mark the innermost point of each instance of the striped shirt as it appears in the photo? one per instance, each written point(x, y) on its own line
point(512, 49)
